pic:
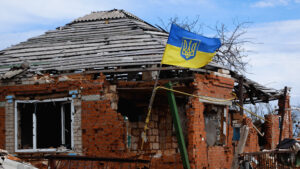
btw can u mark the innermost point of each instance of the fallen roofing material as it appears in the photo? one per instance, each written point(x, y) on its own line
point(8, 161)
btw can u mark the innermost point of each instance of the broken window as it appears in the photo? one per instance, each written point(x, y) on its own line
point(215, 124)
point(44, 125)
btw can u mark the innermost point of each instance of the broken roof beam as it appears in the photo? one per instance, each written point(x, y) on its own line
point(254, 89)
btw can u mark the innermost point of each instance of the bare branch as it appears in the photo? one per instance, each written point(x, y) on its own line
point(232, 53)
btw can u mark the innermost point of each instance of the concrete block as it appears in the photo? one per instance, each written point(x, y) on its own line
point(114, 105)
point(155, 132)
point(2, 104)
point(112, 88)
point(155, 146)
point(152, 138)
point(224, 71)
point(91, 97)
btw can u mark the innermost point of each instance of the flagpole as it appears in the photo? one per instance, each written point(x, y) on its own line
point(154, 88)
point(150, 106)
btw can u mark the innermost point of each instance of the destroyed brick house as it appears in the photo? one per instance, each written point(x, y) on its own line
point(83, 91)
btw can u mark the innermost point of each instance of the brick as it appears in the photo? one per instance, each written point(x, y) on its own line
point(155, 146)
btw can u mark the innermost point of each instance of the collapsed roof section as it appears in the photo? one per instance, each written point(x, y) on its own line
point(114, 42)
point(255, 92)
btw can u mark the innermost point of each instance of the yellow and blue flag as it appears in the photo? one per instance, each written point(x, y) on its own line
point(187, 49)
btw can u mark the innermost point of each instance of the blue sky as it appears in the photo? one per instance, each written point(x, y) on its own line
point(274, 57)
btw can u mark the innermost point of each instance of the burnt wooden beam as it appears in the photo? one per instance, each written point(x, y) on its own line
point(250, 94)
point(283, 113)
point(241, 93)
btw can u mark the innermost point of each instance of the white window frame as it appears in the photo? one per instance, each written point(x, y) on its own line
point(34, 146)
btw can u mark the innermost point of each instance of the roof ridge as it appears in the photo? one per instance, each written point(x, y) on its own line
point(106, 14)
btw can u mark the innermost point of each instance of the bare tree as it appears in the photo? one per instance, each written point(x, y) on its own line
point(261, 109)
point(296, 120)
point(193, 25)
point(232, 53)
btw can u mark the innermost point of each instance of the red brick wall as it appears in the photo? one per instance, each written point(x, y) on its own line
point(219, 157)
point(103, 133)
point(252, 139)
point(200, 155)
point(84, 164)
point(167, 162)
point(213, 86)
point(197, 148)
point(102, 129)
point(287, 131)
point(2, 128)
point(271, 131)
point(162, 143)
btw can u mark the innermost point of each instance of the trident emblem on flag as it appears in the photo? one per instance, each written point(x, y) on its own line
point(189, 48)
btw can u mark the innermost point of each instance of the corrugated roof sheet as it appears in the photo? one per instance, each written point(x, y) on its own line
point(103, 15)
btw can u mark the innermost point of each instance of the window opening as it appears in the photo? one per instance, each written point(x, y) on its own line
point(215, 124)
point(44, 125)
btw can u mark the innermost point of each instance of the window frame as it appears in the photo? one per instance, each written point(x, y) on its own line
point(34, 146)
point(223, 125)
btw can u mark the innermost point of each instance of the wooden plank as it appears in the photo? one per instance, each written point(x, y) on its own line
point(106, 55)
point(28, 48)
point(95, 49)
point(101, 63)
point(99, 31)
point(241, 94)
point(100, 66)
point(282, 109)
point(240, 147)
point(88, 30)
point(72, 45)
point(90, 63)
point(91, 35)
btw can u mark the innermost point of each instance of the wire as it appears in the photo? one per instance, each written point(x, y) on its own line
point(198, 96)
point(202, 97)
point(248, 111)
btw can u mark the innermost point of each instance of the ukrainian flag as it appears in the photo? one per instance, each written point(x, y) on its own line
point(187, 49)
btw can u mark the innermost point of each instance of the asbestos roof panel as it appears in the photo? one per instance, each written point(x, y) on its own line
point(11, 73)
point(104, 15)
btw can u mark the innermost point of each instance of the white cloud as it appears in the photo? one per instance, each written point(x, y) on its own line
point(270, 3)
point(21, 19)
point(275, 56)
point(16, 12)
point(51, 9)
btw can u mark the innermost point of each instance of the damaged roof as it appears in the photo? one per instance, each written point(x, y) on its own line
point(101, 41)
point(96, 41)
